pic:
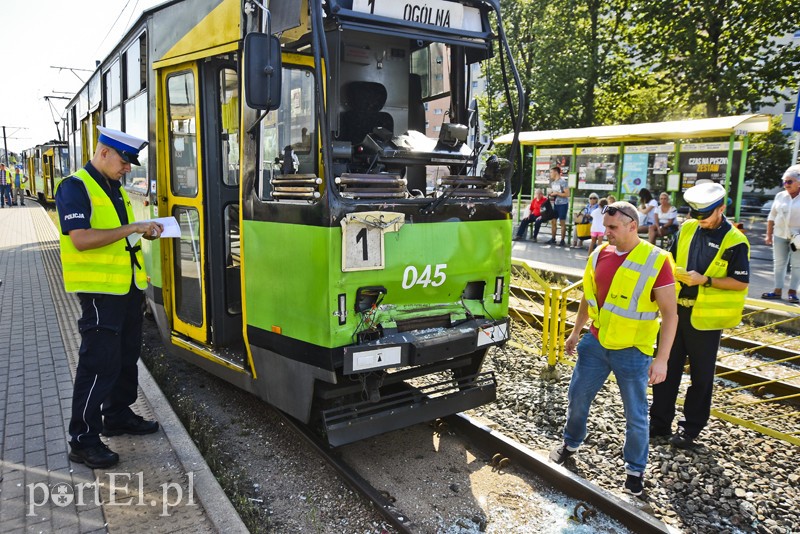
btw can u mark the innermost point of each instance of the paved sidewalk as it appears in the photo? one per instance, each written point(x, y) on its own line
point(162, 483)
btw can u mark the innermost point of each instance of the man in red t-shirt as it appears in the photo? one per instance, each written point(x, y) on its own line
point(627, 283)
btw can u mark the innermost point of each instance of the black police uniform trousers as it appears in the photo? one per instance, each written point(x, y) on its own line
point(700, 346)
point(107, 379)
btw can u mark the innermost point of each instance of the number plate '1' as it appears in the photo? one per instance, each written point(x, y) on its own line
point(362, 239)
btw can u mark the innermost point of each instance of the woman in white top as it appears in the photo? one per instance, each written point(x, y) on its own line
point(783, 224)
point(666, 219)
point(647, 207)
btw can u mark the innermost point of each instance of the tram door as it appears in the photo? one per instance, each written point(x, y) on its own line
point(183, 166)
point(202, 119)
point(47, 173)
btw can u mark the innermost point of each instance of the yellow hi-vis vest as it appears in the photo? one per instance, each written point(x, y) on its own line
point(714, 308)
point(628, 317)
point(106, 269)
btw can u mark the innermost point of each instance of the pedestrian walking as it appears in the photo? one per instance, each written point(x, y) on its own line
point(783, 233)
point(713, 272)
point(627, 283)
point(5, 186)
point(19, 180)
point(107, 272)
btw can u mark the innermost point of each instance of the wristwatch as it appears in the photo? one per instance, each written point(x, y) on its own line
point(707, 283)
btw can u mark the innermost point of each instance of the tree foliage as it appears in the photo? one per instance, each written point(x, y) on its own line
point(594, 62)
point(769, 155)
point(729, 55)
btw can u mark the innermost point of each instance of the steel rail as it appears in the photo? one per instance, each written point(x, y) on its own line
point(379, 500)
point(491, 442)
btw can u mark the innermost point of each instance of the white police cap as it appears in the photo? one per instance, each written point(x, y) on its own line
point(704, 197)
point(127, 145)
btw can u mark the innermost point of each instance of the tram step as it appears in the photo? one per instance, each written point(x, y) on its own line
point(363, 419)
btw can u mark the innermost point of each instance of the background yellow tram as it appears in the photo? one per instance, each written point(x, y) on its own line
point(45, 165)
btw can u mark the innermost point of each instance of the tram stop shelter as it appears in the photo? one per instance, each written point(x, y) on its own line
point(662, 156)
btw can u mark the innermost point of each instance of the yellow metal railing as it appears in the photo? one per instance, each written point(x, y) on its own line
point(543, 308)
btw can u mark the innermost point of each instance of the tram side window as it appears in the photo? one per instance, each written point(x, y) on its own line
point(288, 136)
point(229, 107)
point(183, 134)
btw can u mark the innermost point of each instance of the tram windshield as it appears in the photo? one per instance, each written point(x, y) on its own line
point(401, 126)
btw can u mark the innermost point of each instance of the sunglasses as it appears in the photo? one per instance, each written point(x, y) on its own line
point(700, 215)
point(788, 182)
point(611, 210)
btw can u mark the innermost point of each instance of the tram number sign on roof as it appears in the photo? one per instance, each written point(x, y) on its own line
point(433, 12)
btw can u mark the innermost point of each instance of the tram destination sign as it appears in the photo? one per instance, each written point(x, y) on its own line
point(432, 12)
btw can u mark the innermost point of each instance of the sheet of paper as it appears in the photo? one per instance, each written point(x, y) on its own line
point(171, 229)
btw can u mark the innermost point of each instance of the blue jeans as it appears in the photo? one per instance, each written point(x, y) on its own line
point(780, 258)
point(630, 367)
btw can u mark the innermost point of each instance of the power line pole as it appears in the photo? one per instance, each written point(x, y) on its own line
point(5, 143)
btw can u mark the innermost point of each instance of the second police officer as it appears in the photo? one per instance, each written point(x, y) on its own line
point(712, 275)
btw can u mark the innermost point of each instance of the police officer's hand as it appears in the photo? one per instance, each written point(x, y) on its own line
point(690, 278)
point(150, 229)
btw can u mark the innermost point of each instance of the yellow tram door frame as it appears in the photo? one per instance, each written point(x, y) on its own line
point(47, 173)
point(30, 170)
point(179, 148)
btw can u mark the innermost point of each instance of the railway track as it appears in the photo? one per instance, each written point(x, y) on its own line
point(501, 453)
point(758, 364)
point(744, 373)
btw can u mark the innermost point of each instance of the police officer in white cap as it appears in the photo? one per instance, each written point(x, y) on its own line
point(107, 273)
point(712, 260)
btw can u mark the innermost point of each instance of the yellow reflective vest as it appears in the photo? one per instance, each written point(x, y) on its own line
point(714, 308)
point(628, 318)
point(106, 269)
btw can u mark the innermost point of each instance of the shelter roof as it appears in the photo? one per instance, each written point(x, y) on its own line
point(650, 131)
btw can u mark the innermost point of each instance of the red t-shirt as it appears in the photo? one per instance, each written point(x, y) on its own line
point(536, 206)
point(607, 264)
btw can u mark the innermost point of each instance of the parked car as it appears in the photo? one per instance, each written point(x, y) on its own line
point(765, 209)
point(750, 206)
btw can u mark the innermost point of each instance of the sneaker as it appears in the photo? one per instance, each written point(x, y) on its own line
point(136, 425)
point(682, 440)
point(97, 457)
point(551, 242)
point(561, 453)
point(562, 244)
point(517, 238)
point(634, 484)
point(792, 298)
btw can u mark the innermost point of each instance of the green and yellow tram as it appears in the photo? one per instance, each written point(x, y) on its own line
point(343, 255)
point(45, 165)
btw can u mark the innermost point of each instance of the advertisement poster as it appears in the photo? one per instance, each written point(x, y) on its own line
point(545, 159)
point(634, 173)
point(597, 175)
point(711, 165)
